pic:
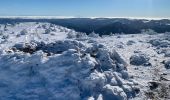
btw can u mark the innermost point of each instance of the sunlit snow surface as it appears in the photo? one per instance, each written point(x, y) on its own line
point(42, 61)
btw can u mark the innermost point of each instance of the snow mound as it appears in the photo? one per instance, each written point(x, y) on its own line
point(139, 59)
point(130, 42)
point(74, 71)
point(165, 51)
point(114, 93)
point(55, 47)
point(160, 43)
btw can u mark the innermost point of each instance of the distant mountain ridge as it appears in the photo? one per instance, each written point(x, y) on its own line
point(102, 26)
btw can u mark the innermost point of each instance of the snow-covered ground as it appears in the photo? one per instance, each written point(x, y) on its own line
point(154, 70)
point(42, 61)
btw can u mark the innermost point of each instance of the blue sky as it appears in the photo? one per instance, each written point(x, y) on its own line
point(86, 8)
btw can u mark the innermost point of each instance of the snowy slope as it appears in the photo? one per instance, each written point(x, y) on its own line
point(26, 32)
point(154, 70)
point(42, 61)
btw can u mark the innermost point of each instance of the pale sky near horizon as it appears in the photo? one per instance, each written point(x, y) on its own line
point(86, 8)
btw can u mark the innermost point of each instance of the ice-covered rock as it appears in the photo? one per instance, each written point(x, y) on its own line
point(26, 47)
point(155, 42)
point(160, 43)
point(167, 64)
point(125, 74)
point(130, 42)
point(114, 93)
point(139, 59)
point(56, 47)
point(164, 44)
point(167, 53)
point(71, 35)
point(94, 35)
point(24, 32)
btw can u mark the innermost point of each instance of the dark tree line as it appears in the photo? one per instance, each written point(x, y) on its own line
point(102, 26)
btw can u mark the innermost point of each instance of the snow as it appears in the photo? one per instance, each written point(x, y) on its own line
point(167, 64)
point(114, 93)
point(142, 74)
point(42, 61)
point(139, 59)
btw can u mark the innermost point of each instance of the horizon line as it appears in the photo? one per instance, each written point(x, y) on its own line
point(67, 17)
